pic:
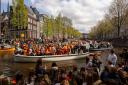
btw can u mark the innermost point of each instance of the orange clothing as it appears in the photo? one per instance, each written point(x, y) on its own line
point(50, 49)
point(72, 46)
point(25, 52)
point(47, 51)
point(65, 47)
point(37, 51)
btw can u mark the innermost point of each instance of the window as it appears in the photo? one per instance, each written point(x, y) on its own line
point(29, 26)
point(29, 20)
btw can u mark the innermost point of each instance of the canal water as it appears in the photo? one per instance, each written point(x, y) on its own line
point(7, 62)
point(26, 67)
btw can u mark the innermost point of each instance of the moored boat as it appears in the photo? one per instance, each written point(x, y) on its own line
point(101, 49)
point(49, 58)
point(6, 50)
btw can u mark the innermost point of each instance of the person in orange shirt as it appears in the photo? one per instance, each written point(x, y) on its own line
point(47, 52)
point(59, 50)
point(65, 49)
point(37, 51)
point(72, 48)
point(53, 50)
point(68, 48)
point(25, 51)
point(50, 49)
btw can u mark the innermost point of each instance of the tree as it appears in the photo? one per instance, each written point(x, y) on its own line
point(46, 26)
point(19, 17)
point(117, 14)
point(102, 30)
point(67, 23)
point(59, 26)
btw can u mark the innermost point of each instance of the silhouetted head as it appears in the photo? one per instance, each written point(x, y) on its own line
point(54, 64)
point(112, 51)
point(82, 69)
point(39, 61)
point(87, 59)
point(106, 68)
point(74, 68)
point(124, 50)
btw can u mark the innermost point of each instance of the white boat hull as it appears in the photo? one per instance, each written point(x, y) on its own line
point(50, 58)
point(101, 49)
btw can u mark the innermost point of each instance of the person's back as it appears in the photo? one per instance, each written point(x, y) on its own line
point(112, 57)
point(53, 75)
point(88, 64)
point(124, 54)
point(114, 75)
point(105, 74)
point(39, 70)
point(54, 72)
point(96, 62)
point(87, 46)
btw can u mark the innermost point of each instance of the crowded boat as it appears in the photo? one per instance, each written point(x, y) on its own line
point(33, 48)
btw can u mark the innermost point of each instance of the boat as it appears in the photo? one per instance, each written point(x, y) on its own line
point(101, 49)
point(7, 50)
point(49, 58)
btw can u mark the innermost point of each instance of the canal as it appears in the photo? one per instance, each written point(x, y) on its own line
point(7, 61)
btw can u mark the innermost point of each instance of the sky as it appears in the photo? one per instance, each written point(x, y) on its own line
point(84, 13)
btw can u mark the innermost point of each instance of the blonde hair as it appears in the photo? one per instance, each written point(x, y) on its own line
point(65, 82)
point(46, 78)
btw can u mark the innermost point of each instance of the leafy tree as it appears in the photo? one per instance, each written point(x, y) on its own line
point(59, 26)
point(19, 17)
point(118, 14)
point(102, 30)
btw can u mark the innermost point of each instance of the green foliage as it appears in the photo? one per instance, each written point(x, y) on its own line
point(19, 18)
point(101, 30)
point(116, 20)
point(47, 27)
point(59, 26)
point(118, 14)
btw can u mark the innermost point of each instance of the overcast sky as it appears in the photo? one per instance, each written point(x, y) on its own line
point(84, 13)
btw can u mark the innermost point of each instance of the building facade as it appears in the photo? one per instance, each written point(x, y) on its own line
point(85, 35)
point(32, 24)
point(33, 29)
point(4, 25)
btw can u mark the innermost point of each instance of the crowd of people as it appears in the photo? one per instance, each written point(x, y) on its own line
point(91, 73)
point(54, 48)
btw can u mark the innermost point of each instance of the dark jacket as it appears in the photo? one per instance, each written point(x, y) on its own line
point(104, 76)
point(124, 55)
point(96, 63)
